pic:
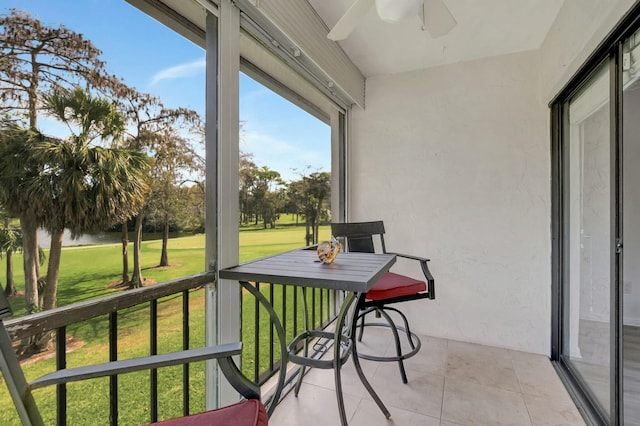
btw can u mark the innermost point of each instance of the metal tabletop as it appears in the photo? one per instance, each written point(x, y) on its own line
point(355, 272)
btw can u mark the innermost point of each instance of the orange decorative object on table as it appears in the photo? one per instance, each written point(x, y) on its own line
point(328, 250)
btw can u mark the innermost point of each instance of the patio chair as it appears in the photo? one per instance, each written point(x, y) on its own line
point(249, 412)
point(392, 288)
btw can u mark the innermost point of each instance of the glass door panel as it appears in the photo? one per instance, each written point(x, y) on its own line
point(631, 226)
point(586, 343)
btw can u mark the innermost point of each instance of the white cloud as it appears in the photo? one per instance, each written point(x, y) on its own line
point(261, 144)
point(283, 155)
point(189, 69)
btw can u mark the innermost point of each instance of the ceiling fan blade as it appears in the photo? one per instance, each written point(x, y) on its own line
point(437, 18)
point(397, 10)
point(350, 19)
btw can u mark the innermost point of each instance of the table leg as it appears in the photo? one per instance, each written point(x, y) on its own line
point(337, 363)
point(282, 339)
point(356, 360)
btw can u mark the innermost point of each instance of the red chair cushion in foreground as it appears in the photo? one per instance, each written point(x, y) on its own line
point(246, 413)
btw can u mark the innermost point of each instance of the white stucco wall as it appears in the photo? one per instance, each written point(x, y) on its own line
point(461, 175)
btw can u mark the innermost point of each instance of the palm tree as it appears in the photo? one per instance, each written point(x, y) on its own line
point(19, 167)
point(86, 187)
point(10, 242)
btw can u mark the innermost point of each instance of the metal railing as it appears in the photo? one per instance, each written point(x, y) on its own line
point(260, 354)
point(57, 320)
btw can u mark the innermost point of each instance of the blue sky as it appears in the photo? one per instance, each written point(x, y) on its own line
point(154, 59)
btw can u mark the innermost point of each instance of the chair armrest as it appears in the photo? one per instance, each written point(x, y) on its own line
point(425, 270)
point(136, 364)
point(244, 386)
point(223, 353)
point(409, 256)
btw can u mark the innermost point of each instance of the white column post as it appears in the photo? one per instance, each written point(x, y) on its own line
point(222, 151)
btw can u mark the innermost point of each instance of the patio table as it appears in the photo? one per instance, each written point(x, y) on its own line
point(353, 273)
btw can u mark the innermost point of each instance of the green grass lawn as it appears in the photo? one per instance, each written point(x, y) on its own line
point(88, 272)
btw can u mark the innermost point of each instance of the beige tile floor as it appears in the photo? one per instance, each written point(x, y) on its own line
point(450, 383)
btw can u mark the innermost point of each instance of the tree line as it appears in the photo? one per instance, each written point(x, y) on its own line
point(264, 196)
point(127, 158)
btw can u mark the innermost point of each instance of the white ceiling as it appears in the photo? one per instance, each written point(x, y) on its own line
point(485, 28)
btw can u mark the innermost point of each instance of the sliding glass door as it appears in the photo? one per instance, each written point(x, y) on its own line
point(596, 230)
point(631, 222)
point(587, 339)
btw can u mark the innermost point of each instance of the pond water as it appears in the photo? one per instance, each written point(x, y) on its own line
point(44, 238)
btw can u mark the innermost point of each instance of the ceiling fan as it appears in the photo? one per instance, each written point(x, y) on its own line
point(436, 17)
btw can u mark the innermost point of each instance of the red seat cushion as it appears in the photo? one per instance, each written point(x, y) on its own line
point(395, 285)
point(245, 413)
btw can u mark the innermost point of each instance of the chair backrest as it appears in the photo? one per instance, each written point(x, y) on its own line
point(359, 236)
point(12, 372)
